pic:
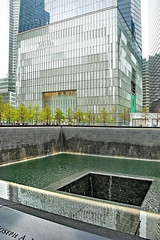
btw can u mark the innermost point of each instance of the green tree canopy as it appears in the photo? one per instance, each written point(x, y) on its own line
point(1, 108)
point(30, 114)
point(47, 114)
point(125, 115)
point(145, 109)
point(70, 115)
point(36, 114)
point(114, 113)
point(9, 113)
point(79, 116)
point(22, 113)
point(58, 115)
point(89, 117)
point(104, 116)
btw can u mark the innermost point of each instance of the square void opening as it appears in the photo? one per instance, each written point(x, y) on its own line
point(112, 188)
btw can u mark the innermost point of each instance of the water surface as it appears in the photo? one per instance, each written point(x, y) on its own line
point(50, 172)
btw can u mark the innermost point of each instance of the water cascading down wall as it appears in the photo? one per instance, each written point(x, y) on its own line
point(17, 143)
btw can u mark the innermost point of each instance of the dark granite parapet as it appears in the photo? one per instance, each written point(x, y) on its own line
point(123, 142)
point(112, 149)
point(28, 142)
point(17, 143)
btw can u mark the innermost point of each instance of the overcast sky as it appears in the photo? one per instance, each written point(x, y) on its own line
point(4, 33)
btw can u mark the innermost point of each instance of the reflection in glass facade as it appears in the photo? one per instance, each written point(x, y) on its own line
point(32, 14)
point(35, 13)
point(95, 55)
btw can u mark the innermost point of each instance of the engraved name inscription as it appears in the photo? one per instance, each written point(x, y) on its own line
point(13, 234)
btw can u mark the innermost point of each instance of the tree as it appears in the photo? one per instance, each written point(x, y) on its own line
point(104, 116)
point(36, 114)
point(69, 115)
point(9, 113)
point(14, 115)
point(145, 110)
point(79, 116)
point(22, 113)
point(124, 115)
point(30, 114)
point(47, 114)
point(89, 116)
point(41, 116)
point(114, 113)
point(58, 116)
point(1, 108)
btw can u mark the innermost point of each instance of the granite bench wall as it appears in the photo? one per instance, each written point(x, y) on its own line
point(17, 143)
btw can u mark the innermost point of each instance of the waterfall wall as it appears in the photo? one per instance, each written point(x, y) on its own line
point(17, 143)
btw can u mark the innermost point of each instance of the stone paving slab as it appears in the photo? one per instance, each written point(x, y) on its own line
point(22, 226)
point(79, 225)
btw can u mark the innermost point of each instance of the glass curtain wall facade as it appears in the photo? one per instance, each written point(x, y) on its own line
point(35, 13)
point(89, 62)
point(154, 27)
point(154, 55)
point(8, 96)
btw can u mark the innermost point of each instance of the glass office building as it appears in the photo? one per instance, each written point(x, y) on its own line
point(154, 55)
point(89, 60)
point(8, 96)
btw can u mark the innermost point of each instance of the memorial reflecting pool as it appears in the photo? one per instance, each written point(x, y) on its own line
point(36, 182)
point(47, 172)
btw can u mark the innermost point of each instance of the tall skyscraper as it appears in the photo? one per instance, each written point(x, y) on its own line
point(13, 31)
point(84, 56)
point(131, 11)
point(8, 85)
point(146, 85)
point(154, 27)
point(154, 55)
